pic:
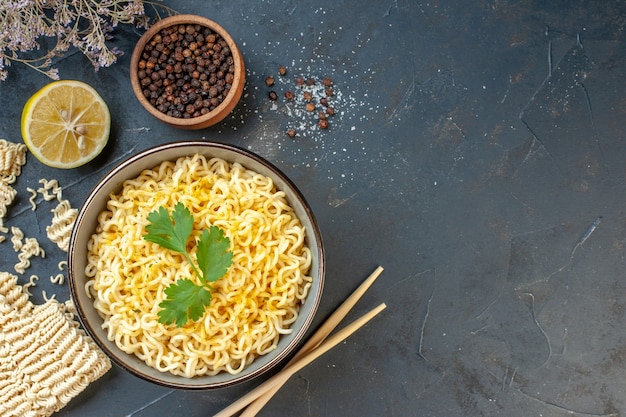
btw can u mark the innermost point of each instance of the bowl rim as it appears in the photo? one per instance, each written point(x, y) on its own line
point(224, 108)
point(293, 339)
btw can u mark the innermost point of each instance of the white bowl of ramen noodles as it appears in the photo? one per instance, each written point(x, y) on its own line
point(260, 309)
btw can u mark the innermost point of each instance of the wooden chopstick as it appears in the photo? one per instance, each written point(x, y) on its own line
point(286, 373)
point(318, 337)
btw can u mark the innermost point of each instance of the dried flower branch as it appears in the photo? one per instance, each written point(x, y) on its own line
point(84, 24)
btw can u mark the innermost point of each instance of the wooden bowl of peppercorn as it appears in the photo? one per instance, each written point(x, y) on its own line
point(187, 71)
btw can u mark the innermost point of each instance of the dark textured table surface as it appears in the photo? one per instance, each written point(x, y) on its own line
point(478, 154)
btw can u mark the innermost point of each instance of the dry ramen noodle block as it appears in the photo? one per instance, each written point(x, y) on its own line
point(7, 194)
point(45, 359)
point(12, 157)
point(63, 220)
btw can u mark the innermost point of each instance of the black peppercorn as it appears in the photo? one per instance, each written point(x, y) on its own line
point(186, 70)
point(272, 95)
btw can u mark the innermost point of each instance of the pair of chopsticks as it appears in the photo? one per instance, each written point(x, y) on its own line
point(316, 346)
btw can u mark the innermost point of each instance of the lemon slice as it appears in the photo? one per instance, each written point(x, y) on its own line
point(66, 124)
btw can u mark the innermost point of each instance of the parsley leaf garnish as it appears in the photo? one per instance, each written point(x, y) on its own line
point(170, 233)
point(214, 258)
point(186, 300)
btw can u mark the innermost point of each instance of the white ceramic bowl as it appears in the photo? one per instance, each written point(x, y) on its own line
point(85, 227)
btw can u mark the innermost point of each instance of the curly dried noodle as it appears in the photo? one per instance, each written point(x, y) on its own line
point(46, 358)
point(253, 304)
point(12, 157)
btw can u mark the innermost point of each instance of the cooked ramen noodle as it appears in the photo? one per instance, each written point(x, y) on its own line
point(255, 302)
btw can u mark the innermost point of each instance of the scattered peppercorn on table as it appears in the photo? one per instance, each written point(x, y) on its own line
point(474, 150)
